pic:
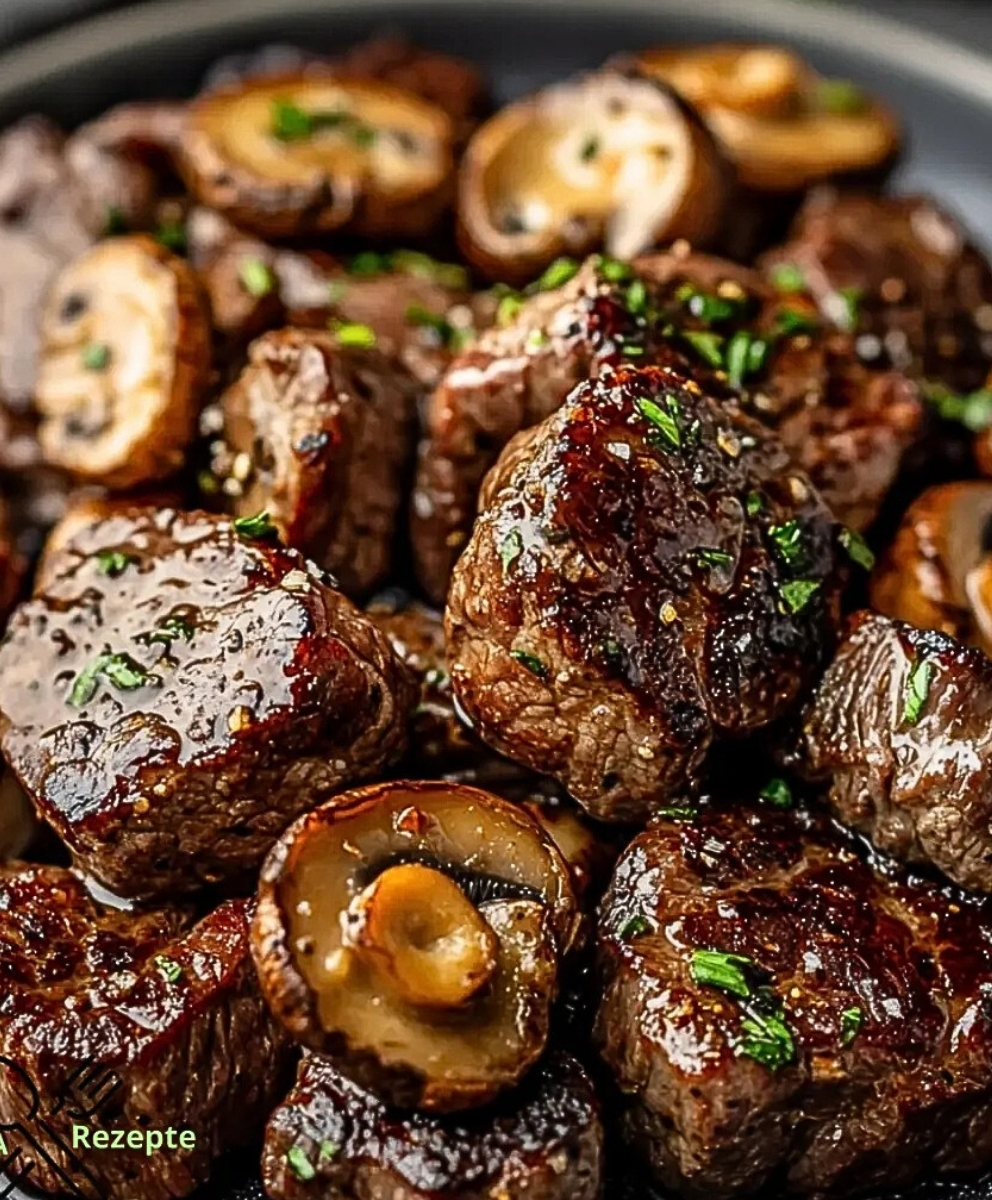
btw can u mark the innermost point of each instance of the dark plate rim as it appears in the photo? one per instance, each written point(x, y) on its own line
point(937, 61)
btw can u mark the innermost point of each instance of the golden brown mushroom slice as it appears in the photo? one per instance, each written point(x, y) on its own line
point(412, 932)
point(311, 153)
point(612, 160)
point(784, 126)
point(124, 362)
point(937, 573)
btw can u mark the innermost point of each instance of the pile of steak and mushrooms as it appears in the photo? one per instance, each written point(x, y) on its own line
point(498, 611)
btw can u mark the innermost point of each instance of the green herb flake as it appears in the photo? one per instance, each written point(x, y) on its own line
point(857, 548)
point(289, 122)
point(530, 663)
point(679, 813)
point(709, 346)
point(851, 1020)
point(422, 266)
point(507, 309)
point(254, 528)
point(337, 289)
point(167, 631)
point(368, 262)
point(113, 562)
point(636, 298)
point(707, 308)
point(973, 411)
point(636, 927)
point(590, 148)
point(95, 356)
point(300, 1165)
point(754, 502)
point(119, 670)
point(361, 134)
point(788, 541)
point(168, 968)
point(777, 793)
point(789, 322)
point(787, 277)
point(840, 96)
point(510, 549)
point(328, 1151)
point(256, 277)
point(848, 303)
point(352, 333)
point(556, 275)
point(744, 356)
point(768, 1040)
point(917, 690)
point(536, 339)
point(613, 270)
point(711, 557)
point(797, 594)
point(726, 972)
point(172, 235)
point(665, 420)
point(423, 318)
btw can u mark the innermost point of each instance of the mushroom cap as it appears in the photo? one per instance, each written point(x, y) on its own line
point(612, 159)
point(312, 152)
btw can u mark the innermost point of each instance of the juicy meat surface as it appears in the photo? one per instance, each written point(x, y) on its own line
point(649, 574)
point(861, 1051)
point(902, 273)
point(542, 1142)
point(901, 726)
point(848, 427)
point(180, 692)
point(125, 1019)
point(317, 435)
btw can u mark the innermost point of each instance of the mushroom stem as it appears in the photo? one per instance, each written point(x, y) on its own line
point(416, 927)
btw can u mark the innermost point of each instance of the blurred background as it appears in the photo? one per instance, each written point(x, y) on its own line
point(967, 21)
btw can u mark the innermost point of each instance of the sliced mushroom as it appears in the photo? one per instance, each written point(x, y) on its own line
point(784, 126)
point(309, 153)
point(438, 908)
point(937, 574)
point(611, 160)
point(125, 358)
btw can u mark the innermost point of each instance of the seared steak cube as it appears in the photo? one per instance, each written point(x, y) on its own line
point(182, 688)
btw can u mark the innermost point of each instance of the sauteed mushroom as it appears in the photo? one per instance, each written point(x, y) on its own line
point(438, 907)
point(937, 573)
point(125, 358)
point(309, 153)
point(611, 160)
point(784, 126)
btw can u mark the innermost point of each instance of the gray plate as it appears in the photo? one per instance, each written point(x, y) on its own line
point(943, 92)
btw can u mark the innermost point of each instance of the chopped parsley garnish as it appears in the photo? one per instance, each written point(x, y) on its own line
point(679, 812)
point(113, 562)
point(709, 346)
point(851, 1020)
point(728, 972)
point(328, 1150)
point(167, 631)
point(767, 1039)
point(510, 548)
point(636, 298)
point(848, 306)
point(256, 277)
point(254, 528)
point(788, 540)
point(791, 323)
point(634, 928)
point(708, 308)
point(447, 334)
point(754, 503)
point(590, 148)
point(170, 970)
point(665, 420)
point(171, 234)
point(95, 356)
point(917, 690)
point(787, 277)
point(744, 356)
point(714, 558)
point(290, 123)
point(120, 670)
point(797, 593)
point(299, 1164)
point(840, 96)
point(777, 793)
point(973, 411)
point(613, 270)
point(536, 339)
point(508, 308)
point(556, 275)
point(530, 663)
point(857, 548)
point(415, 262)
point(352, 333)
point(369, 262)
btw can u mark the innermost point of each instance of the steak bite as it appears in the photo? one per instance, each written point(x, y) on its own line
point(900, 272)
point(124, 363)
point(442, 909)
point(901, 727)
point(182, 689)
point(780, 1015)
point(136, 1018)
point(316, 433)
point(330, 1138)
point(649, 575)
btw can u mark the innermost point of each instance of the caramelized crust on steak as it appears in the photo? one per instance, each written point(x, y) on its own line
point(881, 984)
point(124, 1020)
point(649, 575)
point(179, 692)
point(542, 1142)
